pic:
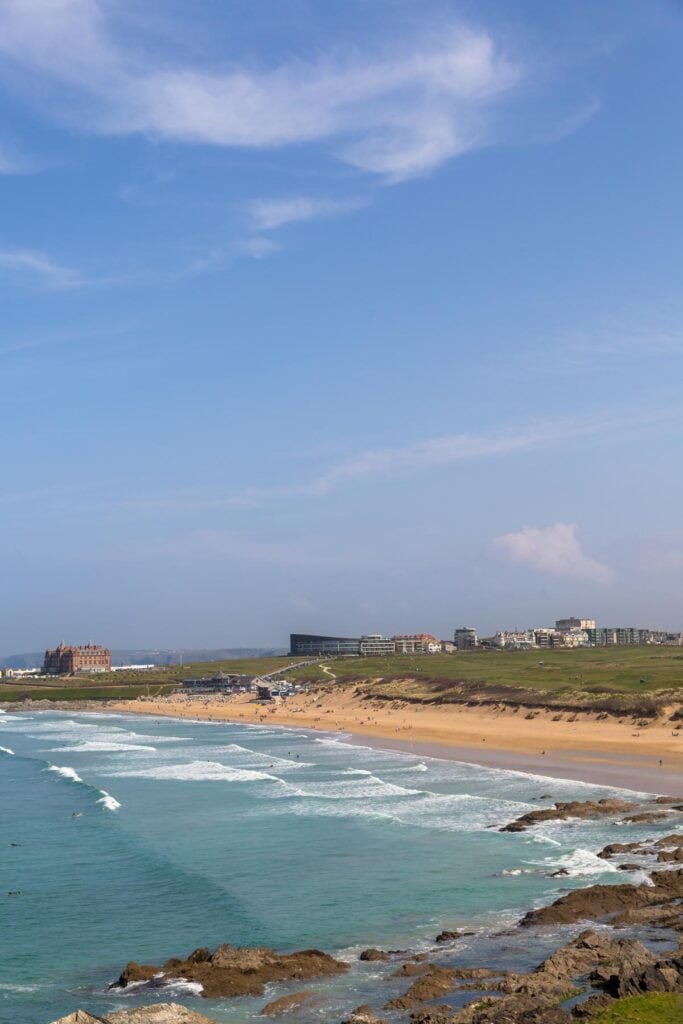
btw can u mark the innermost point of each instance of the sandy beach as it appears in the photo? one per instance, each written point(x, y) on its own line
point(605, 751)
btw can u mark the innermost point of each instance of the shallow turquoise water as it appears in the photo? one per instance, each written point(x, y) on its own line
point(135, 838)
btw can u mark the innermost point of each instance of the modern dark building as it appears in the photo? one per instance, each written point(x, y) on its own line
point(305, 645)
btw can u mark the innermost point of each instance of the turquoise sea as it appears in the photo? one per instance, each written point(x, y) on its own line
point(129, 838)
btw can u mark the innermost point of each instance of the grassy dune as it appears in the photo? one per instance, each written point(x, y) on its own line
point(635, 676)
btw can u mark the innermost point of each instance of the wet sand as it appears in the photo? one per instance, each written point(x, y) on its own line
point(607, 752)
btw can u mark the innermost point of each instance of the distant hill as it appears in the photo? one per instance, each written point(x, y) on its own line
point(156, 657)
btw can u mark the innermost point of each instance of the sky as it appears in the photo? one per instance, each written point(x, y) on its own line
point(338, 316)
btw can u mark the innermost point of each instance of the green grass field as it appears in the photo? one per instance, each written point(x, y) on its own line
point(655, 1008)
point(617, 670)
point(633, 671)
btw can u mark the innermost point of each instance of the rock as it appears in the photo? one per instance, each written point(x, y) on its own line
point(673, 840)
point(233, 971)
point(413, 970)
point(364, 1015)
point(374, 954)
point(592, 1006)
point(667, 800)
point(614, 849)
point(664, 976)
point(600, 901)
point(433, 1015)
point(644, 817)
point(559, 873)
point(158, 1013)
point(285, 1004)
point(629, 867)
point(435, 982)
point(670, 855)
point(446, 936)
point(78, 1017)
point(569, 809)
point(135, 972)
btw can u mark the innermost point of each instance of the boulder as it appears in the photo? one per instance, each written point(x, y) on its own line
point(614, 849)
point(374, 954)
point(601, 901)
point(233, 971)
point(569, 809)
point(364, 1015)
point(285, 1004)
point(644, 817)
point(670, 856)
point(158, 1013)
point(436, 982)
point(78, 1017)
point(448, 936)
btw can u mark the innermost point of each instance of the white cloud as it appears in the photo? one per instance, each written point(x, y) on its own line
point(269, 214)
point(40, 266)
point(397, 114)
point(441, 451)
point(554, 550)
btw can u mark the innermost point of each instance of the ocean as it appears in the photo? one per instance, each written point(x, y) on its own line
point(129, 838)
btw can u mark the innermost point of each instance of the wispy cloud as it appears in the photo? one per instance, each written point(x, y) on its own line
point(554, 550)
point(421, 456)
point(41, 268)
point(399, 112)
point(269, 214)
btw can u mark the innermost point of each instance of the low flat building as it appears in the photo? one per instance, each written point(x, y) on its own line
point(416, 643)
point(308, 645)
point(376, 645)
point(66, 660)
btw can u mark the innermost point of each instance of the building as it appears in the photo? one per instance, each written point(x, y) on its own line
point(416, 643)
point(466, 638)
point(305, 645)
point(66, 660)
point(447, 647)
point(565, 625)
point(220, 683)
point(376, 645)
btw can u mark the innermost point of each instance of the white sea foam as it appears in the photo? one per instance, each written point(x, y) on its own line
point(65, 771)
point(100, 746)
point(579, 863)
point(108, 801)
point(6, 750)
point(196, 771)
point(354, 789)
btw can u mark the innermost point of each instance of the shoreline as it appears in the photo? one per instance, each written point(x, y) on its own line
point(599, 752)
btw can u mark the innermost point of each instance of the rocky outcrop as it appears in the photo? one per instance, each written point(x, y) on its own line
point(434, 982)
point(570, 809)
point(233, 971)
point(601, 901)
point(285, 1004)
point(364, 1015)
point(374, 954)
point(158, 1013)
point(448, 936)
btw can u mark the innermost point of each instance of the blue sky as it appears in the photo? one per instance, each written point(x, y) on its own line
point(338, 316)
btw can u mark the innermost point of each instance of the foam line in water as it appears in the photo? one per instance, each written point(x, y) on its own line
point(197, 771)
point(65, 771)
point(108, 801)
point(6, 750)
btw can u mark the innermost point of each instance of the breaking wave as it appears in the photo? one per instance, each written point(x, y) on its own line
point(196, 771)
point(67, 772)
point(6, 750)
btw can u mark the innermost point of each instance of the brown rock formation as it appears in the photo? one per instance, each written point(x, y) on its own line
point(233, 971)
point(285, 1004)
point(569, 809)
